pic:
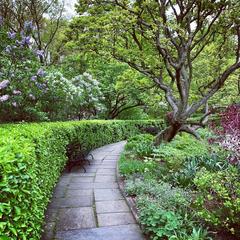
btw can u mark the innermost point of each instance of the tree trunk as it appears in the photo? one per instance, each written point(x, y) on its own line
point(168, 134)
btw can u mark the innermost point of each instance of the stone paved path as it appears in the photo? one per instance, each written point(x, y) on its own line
point(89, 206)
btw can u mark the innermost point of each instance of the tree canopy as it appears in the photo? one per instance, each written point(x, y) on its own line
point(164, 40)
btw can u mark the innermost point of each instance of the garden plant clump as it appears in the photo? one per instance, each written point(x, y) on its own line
point(185, 189)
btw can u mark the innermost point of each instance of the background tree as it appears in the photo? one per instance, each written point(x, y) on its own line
point(123, 88)
point(163, 40)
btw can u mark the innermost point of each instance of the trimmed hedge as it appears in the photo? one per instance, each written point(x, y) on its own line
point(32, 157)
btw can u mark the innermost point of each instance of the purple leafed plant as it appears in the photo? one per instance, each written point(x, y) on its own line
point(230, 119)
point(230, 132)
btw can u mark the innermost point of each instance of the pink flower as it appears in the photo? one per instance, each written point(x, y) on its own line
point(17, 92)
point(4, 84)
point(4, 98)
point(14, 104)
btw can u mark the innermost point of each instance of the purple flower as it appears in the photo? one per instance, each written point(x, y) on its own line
point(22, 33)
point(17, 92)
point(8, 49)
point(4, 84)
point(28, 25)
point(40, 72)
point(34, 78)
point(39, 85)
point(40, 53)
point(26, 41)
point(4, 98)
point(11, 35)
point(14, 104)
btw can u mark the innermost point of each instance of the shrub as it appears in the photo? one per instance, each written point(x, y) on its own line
point(140, 145)
point(159, 223)
point(229, 133)
point(165, 196)
point(129, 166)
point(185, 175)
point(183, 147)
point(218, 198)
point(164, 211)
point(32, 158)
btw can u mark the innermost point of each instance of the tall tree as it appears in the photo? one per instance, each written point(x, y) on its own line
point(163, 39)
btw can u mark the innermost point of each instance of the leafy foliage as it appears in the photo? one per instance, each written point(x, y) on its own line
point(129, 166)
point(183, 188)
point(218, 198)
point(141, 145)
point(32, 158)
point(175, 153)
point(162, 208)
point(189, 49)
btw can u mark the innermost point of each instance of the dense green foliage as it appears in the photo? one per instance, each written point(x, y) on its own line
point(32, 158)
point(183, 188)
point(188, 49)
point(218, 200)
point(140, 144)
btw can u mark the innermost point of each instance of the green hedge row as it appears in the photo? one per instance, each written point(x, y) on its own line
point(32, 157)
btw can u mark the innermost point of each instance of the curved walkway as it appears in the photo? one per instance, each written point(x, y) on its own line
point(90, 206)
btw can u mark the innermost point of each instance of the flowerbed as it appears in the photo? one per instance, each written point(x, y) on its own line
point(185, 189)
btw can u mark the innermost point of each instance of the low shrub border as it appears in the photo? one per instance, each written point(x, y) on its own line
point(32, 157)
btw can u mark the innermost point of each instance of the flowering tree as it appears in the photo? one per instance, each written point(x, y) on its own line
point(21, 77)
point(28, 92)
point(45, 16)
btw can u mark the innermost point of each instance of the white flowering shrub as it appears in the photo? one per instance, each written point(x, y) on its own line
point(88, 96)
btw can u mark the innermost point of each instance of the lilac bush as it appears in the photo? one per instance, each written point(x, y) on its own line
point(21, 75)
point(30, 91)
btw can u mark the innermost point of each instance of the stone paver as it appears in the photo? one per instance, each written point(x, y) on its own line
point(122, 232)
point(76, 218)
point(113, 219)
point(105, 178)
point(79, 192)
point(80, 201)
point(107, 194)
point(111, 206)
point(90, 206)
